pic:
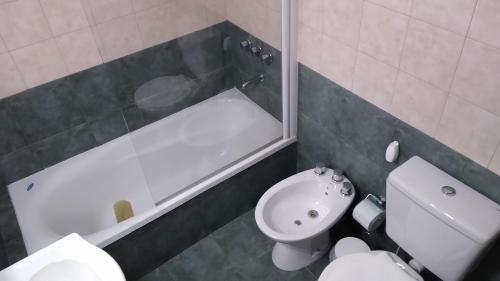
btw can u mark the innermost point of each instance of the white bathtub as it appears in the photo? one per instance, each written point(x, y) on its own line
point(156, 168)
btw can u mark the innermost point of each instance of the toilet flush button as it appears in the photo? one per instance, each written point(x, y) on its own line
point(449, 191)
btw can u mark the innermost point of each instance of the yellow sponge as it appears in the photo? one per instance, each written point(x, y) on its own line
point(123, 210)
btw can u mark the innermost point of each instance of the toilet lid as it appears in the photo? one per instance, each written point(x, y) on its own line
point(372, 266)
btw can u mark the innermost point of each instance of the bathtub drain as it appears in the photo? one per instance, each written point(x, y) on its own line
point(297, 222)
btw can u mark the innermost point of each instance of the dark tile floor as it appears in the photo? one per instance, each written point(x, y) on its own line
point(237, 251)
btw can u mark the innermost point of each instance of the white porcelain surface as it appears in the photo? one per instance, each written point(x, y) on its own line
point(292, 198)
point(195, 142)
point(283, 214)
point(71, 258)
point(444, 233)
point(78, 194)
point(146, 168)
point(371, 266)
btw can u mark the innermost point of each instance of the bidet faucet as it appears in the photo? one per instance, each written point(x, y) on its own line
point(320, 169)
point(338, 176)
point(347, 189)
point(256, 79)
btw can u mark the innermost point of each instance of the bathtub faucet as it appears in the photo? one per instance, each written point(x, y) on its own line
point(258, 79)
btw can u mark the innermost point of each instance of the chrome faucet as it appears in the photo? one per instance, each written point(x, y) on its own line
point(257, 79)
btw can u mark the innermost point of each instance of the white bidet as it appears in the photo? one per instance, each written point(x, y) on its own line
point(299, 211)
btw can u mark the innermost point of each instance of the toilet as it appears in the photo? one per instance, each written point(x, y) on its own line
point(442, 223)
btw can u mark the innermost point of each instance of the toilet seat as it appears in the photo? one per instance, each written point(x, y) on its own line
point(371, 266)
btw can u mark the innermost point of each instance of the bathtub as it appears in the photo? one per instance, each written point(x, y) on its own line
point(156, 168)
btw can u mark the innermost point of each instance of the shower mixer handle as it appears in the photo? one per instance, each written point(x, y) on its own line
point(267, 58)
point(246, 44)
point(256, 50)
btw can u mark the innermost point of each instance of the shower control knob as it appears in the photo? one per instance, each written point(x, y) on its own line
point(338, 175)
point(266, 58)
point(256, 50)
point(246, 44)
point(320, 169)
point(347, 189)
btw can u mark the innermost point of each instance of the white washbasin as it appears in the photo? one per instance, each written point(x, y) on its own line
point(70, 258)
point(298, 212)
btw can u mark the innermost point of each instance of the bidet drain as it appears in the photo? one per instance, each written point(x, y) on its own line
point(297, 222)
point(313, 214)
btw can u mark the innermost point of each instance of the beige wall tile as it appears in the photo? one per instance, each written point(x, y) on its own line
point(119, 37)
point(140, 5)
point(216, 11)
point(309, 47)
point(311, 13)
point(273, 4)
point(453, 15)
point(402, 6)
point(156, 25)
point(495, 162)
point(79, 50)
point(105, 10)
point(190, 15)
point(270, 28)
point(11, 81)
point(23, 23)
point(237, 12)
point(383, 33)
point(64, 15)
point(337, 61)
point(374, 81)
point(40, 63)
point(486, 22)
point(255, 14)
point(342, 20)
point(477, 78)
point(431, 53)
point(469, 130)
point(418, 103)
point(3, 48)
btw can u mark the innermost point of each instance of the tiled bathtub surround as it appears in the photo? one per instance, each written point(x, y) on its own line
point(432, 63)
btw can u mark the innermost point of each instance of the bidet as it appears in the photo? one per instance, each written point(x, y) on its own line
point(298, 212)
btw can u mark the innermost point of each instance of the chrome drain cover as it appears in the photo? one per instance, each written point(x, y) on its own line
point(313, 214)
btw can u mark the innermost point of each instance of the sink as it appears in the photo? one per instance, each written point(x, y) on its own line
point(70, 258)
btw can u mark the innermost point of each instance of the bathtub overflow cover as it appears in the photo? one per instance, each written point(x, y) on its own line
point(448, 191)
point(313, 214)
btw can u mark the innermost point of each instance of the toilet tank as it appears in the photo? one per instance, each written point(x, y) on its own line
point(441, 222)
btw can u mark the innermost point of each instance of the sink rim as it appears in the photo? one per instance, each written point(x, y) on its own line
point(72, 247)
